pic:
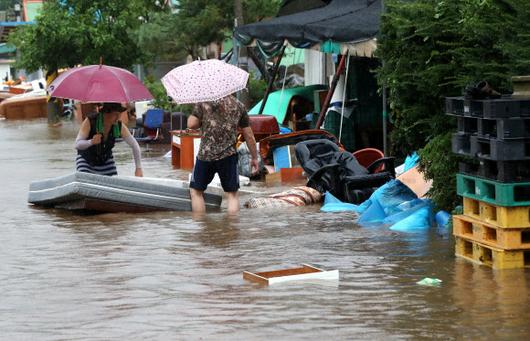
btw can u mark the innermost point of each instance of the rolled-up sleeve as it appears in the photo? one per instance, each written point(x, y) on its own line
point(244, 120)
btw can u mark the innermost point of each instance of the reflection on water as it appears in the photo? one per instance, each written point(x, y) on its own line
point(170, 275)
point(500, 295)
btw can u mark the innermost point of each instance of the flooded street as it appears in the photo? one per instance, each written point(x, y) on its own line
point(166, 276)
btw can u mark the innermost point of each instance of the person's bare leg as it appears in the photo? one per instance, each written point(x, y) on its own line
point(232, 199)
point(197, 201)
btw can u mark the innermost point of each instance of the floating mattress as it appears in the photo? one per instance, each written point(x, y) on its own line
point(84, 191)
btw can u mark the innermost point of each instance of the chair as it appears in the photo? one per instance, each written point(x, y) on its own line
point(152, 124)
point(367, 156)
point(339, 172)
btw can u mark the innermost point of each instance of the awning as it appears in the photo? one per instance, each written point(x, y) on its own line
point(288, 7)
point(342, 25)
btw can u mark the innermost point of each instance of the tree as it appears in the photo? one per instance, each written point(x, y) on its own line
point(201, 22)
point(433, 49)
point(71, 32)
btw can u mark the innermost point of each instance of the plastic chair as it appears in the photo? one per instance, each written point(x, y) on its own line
point(152, 124)
point(340, 173)
point(368, 156)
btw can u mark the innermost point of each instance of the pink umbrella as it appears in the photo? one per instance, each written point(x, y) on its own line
point(99, 83)
point(204, 80)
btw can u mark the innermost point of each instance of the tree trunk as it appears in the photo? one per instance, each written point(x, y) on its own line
point(243, 59)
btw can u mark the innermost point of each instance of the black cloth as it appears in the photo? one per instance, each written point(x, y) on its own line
point(340, 21)
point(97, 155)
point(315, 154)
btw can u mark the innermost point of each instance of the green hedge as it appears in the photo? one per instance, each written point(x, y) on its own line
point(433, 49)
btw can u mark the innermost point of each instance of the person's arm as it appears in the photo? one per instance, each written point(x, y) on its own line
point(251, 144)
point(81, 141)
point(194, 120)
point(131, 141)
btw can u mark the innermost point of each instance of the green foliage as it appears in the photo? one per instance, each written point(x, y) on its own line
point(433, 49)
point(201, 22)
point(74, 32)
point(162, 100)
point(441, 167)
point(157, 39)
point(256, 90)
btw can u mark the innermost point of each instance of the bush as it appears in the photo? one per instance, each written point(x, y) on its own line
point(162, 100)
point(256, 90)
point(433, 49)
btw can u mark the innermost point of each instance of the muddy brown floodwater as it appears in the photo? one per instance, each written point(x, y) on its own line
point(166, 276)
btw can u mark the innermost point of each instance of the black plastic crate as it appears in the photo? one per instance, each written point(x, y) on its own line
point(454, 105)
point(503, 171)
point(504, 128)
point(467, 125)
point(461, 144)
point(504, 107)
point(499, 150)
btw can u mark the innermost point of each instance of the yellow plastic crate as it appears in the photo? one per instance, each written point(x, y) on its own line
point(490, 256)
point(491, 235)
point(506, 217)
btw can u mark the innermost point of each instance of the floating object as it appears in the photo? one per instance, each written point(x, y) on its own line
point(305, 273)
point(297, 196)
point(418, 220)
point(442, 219)
point(415, 180)
point(332, 204)
point(99, 193)
point(432, 282)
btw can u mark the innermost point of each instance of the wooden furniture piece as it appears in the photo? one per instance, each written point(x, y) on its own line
point(304, 273)
point(184, 148)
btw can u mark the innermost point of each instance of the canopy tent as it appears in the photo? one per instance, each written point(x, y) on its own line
point(346, 27)
point(341, 26)
point(294, 6)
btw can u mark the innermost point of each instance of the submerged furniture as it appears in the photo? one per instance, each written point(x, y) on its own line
point(98, 193)
point(339, 172)
point(184, 148)
point(367, 156)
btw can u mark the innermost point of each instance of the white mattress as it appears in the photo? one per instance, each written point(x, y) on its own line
point(153, 193)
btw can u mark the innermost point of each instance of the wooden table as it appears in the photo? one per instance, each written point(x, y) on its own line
point(184, 148)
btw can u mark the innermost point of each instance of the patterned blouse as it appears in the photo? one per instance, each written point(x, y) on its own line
point(219, 122)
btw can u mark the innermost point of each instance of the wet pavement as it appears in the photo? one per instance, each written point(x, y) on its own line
point(167, 276)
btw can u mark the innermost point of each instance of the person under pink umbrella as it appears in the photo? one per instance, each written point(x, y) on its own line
point(209, 84)
point(97, 137)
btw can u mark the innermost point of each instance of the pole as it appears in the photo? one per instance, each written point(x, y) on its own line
point(385, 113)
point(271, 80)
point(242, 51)
point(332, 87)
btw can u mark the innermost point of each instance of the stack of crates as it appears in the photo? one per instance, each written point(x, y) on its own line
point(494, 135)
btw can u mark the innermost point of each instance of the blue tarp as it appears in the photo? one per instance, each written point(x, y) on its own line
point(391, 204)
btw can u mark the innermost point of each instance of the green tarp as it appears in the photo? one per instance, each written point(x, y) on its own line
point(278, 103)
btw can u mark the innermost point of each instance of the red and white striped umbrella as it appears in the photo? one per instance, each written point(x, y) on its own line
point(203, 81)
